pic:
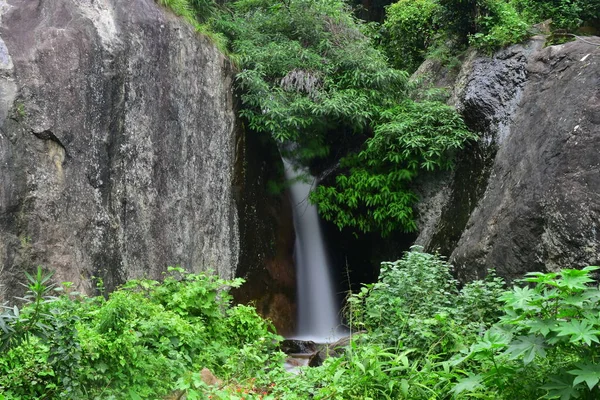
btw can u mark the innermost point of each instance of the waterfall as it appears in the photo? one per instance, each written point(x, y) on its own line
point(317, 306)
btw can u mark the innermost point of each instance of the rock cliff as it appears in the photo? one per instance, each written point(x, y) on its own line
point(527, 196)
point(117, 143)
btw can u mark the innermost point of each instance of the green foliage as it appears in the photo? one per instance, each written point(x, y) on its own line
point(499, 25)
point(411, 27)
point(197, 13)
point(20, 110)
point(19, 325)
point(424, 338)
point(309, 75)
point(375, 194)
point(193, 11)
point(458, 17)
point(411, 322)
point(421, 336)
point(142, 340)
point(565, 14)
point(549, 330)
point(486, 24)
point(417, 303)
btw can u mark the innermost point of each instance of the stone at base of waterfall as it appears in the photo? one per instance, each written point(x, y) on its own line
point(177, 395)
point(296, 346)
point(209, 378)
point(294, 362)
point(335, 349)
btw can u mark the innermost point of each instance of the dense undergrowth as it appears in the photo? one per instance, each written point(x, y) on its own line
point(146, 340)
point(420, 336)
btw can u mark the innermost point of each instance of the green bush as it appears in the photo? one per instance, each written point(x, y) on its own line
point(375, 194)
point(194, 11)
point(487, 24)
point(549, 332)
point(420, 336)
point(423, 338)
point(140, 342)
point(308, 73)
point(458, 17)
point(410, 27)
point(565, 14)
point(410, 323)
point(417, 303)
point(499, 25)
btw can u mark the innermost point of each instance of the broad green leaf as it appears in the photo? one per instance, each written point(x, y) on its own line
point(574, 279)
point(591, 294)
point(468, 384)
point(575, 300)
point(562, 389)
point(404, 386)
point(579, 331)
point(519, 298)
point(591, 268)
point(338, 375)
point(542, 326)
point(588, 373)
point(133, 395)
point(493, 339)
point(542, 278)
point(360, 365)
point(527, 347)
point(193, 395)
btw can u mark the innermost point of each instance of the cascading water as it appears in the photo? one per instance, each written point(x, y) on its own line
point(317, 307)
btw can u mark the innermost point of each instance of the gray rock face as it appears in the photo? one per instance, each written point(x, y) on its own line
point(117, 143)
point(528, 196)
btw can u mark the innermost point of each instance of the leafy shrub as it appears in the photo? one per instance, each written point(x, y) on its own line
point(426, 339)
point(375, 194)
point(416, 302)
point(194, 11)
point(499, 25)
point(421, 337)
point(309, 74)
point(487, 24)
point(411, 323)
point(410, 26)
point(140, 341)
point(197, 13)
point(458, 17)
point(548, 331)
point(565, 14)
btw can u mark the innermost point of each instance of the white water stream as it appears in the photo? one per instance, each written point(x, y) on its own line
point(317, 306)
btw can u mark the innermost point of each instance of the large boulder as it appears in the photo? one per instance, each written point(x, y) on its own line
point(526, 197)
point(120, 151)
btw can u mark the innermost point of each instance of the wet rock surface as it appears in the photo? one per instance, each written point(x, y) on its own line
point(266, 234)
point(335, 349)
point(528, 198)
point(294, 346)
